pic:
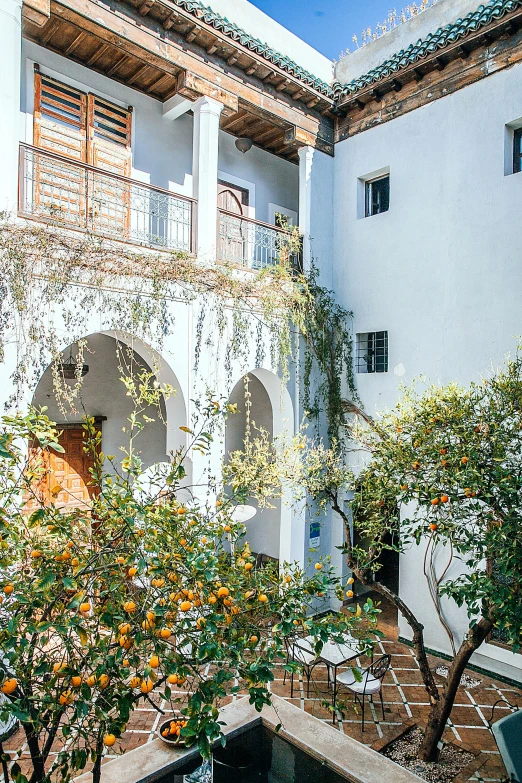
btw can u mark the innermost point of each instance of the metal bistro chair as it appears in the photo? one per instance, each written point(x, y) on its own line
point(307, 660)
point(369, 682)
point(508, 736)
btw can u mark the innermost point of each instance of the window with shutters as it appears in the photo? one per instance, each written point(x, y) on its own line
point(88, 129)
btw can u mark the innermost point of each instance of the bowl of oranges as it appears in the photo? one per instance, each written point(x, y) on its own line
point(169, 729)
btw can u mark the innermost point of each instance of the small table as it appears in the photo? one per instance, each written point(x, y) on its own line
point(333, 654)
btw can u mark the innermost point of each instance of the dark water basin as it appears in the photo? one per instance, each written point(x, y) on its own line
point(258, 756)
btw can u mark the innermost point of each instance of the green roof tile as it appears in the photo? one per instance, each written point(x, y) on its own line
point(444, 36)
point(210, 17)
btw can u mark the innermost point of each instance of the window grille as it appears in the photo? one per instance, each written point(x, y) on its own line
point(372, 352)
point(517, 151)
point(377, 196)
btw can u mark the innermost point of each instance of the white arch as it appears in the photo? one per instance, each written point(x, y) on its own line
point(292, 513)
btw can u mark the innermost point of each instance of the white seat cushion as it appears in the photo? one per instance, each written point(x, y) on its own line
point(302, 656)
point(368, 684)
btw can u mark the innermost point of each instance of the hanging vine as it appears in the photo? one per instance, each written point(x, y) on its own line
point(54, 280)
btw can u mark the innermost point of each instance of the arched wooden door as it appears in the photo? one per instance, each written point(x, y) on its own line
point(233, 232)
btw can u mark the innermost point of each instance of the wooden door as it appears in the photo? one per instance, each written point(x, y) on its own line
point(67, 480)
point(60, 126)
point(233, 232)
point(109, 148)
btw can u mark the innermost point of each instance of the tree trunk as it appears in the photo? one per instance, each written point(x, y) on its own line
point(4, 764)
point(36, 755)
point(441, 710)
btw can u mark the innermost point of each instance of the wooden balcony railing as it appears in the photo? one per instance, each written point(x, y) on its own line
point(76, 195)
point(251, 243)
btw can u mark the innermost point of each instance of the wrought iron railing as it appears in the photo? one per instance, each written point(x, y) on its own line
point(76, 195)
point(246, 242)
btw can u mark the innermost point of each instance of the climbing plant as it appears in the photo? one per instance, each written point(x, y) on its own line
point(54, 280)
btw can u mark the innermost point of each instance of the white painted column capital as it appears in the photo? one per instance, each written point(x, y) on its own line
point(306, 159)
point(205, 174)
point(10, 71)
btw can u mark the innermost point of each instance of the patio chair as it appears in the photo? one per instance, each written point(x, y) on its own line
point(367, 683)
point(307, 660)
point(508, 736)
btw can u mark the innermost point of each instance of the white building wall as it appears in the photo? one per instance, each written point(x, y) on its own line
point(441, 269)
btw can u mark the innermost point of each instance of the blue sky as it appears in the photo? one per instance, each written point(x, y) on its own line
point(328, 25)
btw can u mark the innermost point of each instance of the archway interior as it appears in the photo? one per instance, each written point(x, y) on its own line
point(103, 396)
point(263, 530)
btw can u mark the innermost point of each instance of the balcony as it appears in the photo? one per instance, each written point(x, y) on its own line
point(75, 195)
point(250, 243)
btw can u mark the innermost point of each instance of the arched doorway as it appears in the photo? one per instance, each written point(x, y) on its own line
point(102, 396)
point(274, 532)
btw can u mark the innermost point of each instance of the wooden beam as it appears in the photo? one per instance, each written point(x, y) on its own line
point(75, 42)
point(164, 76)
point(192, 86)
point(233, 59)
point(212, 48)
point(100, 51)
point(396, 85)
point(38, 12)
point(170, 20)
point(312, 103)
point(119, 61)
point(149, 45)
point(145, 7)
point(139, 73)
point(192, 33)
point(268, 135)
point(268, 76)
point(234, 121)
point(252, 69)
point(283, 85)
point(49, 32)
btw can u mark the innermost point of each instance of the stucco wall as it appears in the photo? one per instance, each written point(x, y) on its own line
point(441, 269)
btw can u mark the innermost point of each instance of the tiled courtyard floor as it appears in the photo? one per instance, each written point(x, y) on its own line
point(404, 700)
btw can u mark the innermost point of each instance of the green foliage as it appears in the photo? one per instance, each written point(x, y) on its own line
point(136, 594)
point(449, 461)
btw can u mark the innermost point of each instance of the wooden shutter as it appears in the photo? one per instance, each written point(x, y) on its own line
point(109, 149)
point(60, 118)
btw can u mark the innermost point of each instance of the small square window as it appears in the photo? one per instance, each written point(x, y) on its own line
point(372, 352)
point(517, 150)
point(377, 194)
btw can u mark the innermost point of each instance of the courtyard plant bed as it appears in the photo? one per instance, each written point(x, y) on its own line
point(456, 762)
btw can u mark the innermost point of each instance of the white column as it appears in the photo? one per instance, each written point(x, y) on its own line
point(306, 158)
point(205, 174)
point(10, 66)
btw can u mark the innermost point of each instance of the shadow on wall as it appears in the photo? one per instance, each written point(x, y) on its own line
point(103, 395)
point(263, 530)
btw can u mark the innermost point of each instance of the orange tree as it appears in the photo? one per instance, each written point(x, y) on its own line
point(135, 597)
point(444, 472)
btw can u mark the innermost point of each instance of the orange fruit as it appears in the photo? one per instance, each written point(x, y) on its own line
point(254, 639)
point(444, 499)
point(35, 554)
point(66, 555)
point(124, 628)
point(129, 607)
point(165, 633)
point(135, 681)
point(158, 582)
point(66, 698)
point(133, 571)
point(433, 527)
point(435, 502)
point(154, 662)
point(75, 562)
point(85, 607)
point(125, 662)
point(182, 510)
point(318, 566)
point(58, 667)
point(126, 642)
point(76, 680)
point(263, 598)
point(172, 679)
point(248, 566)
point(109, 740)
point(147, 625)
point(103, 680)
point(223, 592)
point(212, 599)
point(350, 581)
point(120, 560)
point(349, 593)
point(465, 460)
point(416, 465)
point(227, 528)
point(91, 680)
point(404, 487)
point(185, 606)
point(200, 622)
point(8, 589)
point(9, 686)
point(151, 617)
point(147, 685)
